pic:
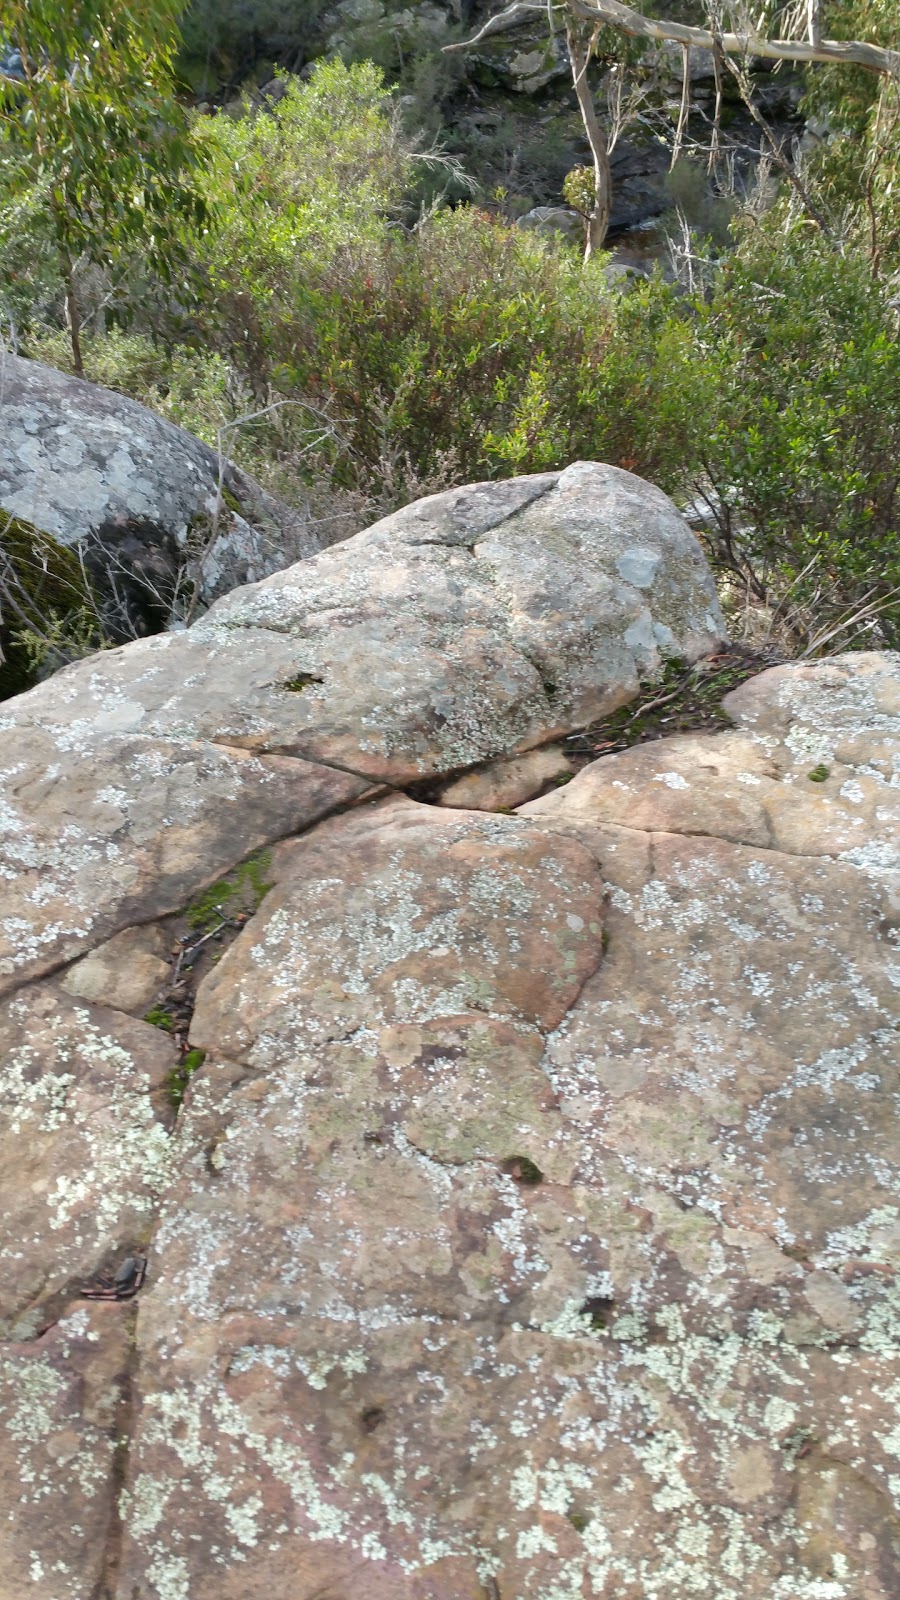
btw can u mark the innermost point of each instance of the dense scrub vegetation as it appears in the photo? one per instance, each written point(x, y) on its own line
point(356, 347)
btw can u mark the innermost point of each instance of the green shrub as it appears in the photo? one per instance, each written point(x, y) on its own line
point(384, 361)
point(48, 611)
point(803, 449)
point(196, 389)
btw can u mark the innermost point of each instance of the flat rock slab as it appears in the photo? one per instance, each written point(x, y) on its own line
point(126, 973)
point(102, 830)
point(86, 1148)
point(813, 768)
point(64, 1412)
point(361, 908)
point(576, 1286)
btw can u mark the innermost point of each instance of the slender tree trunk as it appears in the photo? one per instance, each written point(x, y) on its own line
point(73, 318)
point(598, 221)
point(67, 268)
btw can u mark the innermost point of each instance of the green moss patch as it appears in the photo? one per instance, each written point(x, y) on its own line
point(180, 1076)
point(159, 1017)
point(239, 894)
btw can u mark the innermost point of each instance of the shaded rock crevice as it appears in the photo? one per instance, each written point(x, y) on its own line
point(294, 753)
point(107, 1584)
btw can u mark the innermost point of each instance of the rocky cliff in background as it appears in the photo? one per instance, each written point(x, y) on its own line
point(494, 1206)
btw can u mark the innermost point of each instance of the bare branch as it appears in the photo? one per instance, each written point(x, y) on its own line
point(778, 155)
point(716, 137)
point(845, 52)
point(512, 17)
point(685, 104)
point(625, 18)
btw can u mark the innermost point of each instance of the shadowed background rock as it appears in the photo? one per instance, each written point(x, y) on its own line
point(81, 465)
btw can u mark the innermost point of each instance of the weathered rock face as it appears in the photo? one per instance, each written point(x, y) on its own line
point(86, 1147)
point(555, 219)
point(530, 1229)
point(473, 624)
point(77, 459)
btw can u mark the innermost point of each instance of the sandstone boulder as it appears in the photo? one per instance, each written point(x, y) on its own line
point(473, 624)
point(540, 1257)
point(555, 220)
point(810, 770)
point(530, 1229)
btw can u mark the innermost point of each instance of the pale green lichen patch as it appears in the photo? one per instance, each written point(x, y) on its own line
point(59, 1404)
point(87, 1149)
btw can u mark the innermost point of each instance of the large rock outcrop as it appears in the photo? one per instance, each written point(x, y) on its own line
point(473, 624)
point(530, 1228)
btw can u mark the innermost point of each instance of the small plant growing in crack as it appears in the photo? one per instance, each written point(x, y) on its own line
point(522, 1170)
point(180, 1076)
point(159, 1017)
point(301, 681)
point(598, 1309)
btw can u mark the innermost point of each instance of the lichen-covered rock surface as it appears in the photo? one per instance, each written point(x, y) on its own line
point(77, 458)
point(473, 624)
point(530, 1228)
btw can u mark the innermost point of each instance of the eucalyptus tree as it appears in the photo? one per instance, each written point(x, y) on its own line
point(93, 135)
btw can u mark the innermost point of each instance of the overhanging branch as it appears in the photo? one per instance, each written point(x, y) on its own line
point(845, 52)
point(512, 17)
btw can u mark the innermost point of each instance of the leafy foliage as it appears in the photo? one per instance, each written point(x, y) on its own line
point(309, 179)
point(856, 165)
point(803, 447)
point(384, 356)
point(463, 344)
point(93, 138)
